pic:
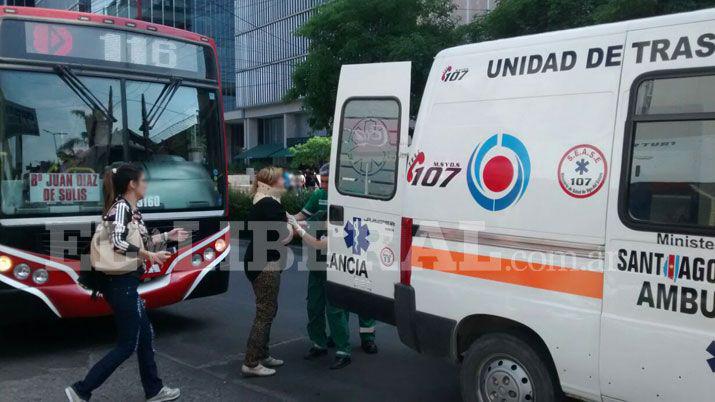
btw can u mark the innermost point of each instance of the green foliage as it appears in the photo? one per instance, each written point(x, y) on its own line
point(294, 201)
point(312, 153)
point(236, 167)
point(368, 31)
point(240, 202)
point(525, 17)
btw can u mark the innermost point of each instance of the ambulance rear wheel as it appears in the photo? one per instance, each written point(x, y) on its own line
point(503, 368)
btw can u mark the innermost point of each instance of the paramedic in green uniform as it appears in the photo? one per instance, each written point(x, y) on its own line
point(315, 212)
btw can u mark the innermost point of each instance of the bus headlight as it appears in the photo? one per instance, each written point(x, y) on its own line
point(40, 276)
point(22, 271)
point(209, 254)
point(196, 260)
point(220, 245)
point(5, 263)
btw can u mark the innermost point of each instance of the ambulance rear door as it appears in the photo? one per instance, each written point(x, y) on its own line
point(370, 135)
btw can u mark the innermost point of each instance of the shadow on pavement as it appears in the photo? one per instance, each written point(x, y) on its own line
point(39, 338)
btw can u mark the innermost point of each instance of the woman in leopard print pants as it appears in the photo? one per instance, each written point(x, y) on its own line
point(264, 261)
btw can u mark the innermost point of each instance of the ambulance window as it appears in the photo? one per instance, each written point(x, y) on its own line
point(676, 95)
point(672, 171)
point(368, 146)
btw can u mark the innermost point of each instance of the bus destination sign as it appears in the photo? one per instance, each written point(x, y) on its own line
point(105, 47)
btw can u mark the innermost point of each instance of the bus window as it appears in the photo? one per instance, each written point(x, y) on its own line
point(53, 146)
point(368, 148)
point(672, 172)
point(183, 151)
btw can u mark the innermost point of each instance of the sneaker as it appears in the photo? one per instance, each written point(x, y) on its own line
point(315, 352)
point(165, 394)
point(258, 371)
point(72, 395)
point(340, 362)
point(369, 347)
point(271, 361)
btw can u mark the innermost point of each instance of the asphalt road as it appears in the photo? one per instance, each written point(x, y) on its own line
point(200, 345)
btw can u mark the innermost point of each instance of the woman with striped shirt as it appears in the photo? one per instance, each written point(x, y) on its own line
point(123, 188)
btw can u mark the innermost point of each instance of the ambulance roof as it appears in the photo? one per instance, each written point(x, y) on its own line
point(589, 31)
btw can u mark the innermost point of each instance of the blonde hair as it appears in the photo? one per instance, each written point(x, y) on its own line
point(268, 175)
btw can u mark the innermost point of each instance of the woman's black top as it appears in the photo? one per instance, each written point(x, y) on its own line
point(266, 220)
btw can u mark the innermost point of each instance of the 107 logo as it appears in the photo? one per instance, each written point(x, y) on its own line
point(440, 173)
point(452, 74)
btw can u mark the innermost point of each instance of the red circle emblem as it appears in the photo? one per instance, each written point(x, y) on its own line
point(498, 173)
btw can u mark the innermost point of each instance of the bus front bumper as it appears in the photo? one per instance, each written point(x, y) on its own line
point(63, 297)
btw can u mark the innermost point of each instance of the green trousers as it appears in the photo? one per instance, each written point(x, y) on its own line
point(337, 319)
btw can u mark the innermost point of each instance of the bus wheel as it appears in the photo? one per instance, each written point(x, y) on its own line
point(503, 368)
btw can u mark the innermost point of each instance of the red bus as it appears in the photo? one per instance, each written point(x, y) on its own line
point(80, 93)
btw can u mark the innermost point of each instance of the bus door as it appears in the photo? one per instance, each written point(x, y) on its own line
point(657, 332)
point(365, 200)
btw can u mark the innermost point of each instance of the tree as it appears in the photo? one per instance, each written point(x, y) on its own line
point(368, 31)
point(311, 153)
point(525, 17)
point(618, 10)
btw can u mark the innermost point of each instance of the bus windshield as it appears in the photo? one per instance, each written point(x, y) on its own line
point(55, 145)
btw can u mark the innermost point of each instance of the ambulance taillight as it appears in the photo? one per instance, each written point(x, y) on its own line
point(406, 251)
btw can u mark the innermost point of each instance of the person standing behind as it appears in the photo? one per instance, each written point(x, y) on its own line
point(123, 188)
point(264, 261)
point(311, 181)
point(315, 212)
point(318, 306)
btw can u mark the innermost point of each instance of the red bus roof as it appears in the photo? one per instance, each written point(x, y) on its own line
point(106, 21)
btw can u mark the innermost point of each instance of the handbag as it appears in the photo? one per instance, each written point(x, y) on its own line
point(106, 259)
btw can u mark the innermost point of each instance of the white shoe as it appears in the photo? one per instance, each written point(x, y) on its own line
point(271, 361)
point(72, 395)
point(166, 394)
point(258, 371)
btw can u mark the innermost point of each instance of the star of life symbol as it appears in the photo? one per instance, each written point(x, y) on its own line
point(356, 236)
point(711, 362)
point(581, 167)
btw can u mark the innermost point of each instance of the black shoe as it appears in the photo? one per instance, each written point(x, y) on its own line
point(369, 347)
point(315, 352)
point(340, 362)
point(331, 343)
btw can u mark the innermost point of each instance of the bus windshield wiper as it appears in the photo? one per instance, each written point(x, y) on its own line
point(83, 92)
point(152, 116)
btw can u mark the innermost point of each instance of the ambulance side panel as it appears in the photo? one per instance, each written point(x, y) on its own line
point(658, 330)
point(482, 248)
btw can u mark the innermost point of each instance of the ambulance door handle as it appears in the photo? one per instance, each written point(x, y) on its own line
point(336, 214)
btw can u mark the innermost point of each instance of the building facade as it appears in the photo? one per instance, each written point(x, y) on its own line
point(466, 10)
point(267, 50)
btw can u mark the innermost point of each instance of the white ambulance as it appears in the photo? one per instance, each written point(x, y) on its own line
point(549, 224)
